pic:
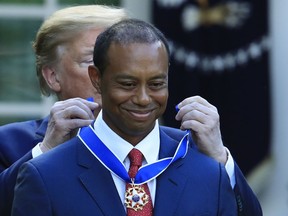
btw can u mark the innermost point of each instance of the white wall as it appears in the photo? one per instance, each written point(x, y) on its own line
point(275, 198)
point(140, 8)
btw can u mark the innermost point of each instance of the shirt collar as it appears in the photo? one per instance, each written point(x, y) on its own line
point(149, 146)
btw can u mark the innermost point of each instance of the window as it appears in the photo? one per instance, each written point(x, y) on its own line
point(20, 97)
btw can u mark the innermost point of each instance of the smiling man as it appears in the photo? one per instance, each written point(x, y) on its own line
point(97, 172)
point(135, 88)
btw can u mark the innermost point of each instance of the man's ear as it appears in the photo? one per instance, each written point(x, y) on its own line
point(50, 76)
point(95, 77)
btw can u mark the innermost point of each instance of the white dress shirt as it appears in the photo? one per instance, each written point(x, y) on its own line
point(149, 147)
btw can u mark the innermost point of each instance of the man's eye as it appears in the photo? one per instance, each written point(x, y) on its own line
point(86, 63)
point(157, 85)
point(89, 61)
point(128, 84)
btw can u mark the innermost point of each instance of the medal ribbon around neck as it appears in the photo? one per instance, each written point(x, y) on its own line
point(113, 164)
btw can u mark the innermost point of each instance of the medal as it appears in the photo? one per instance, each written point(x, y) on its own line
point(135, 197)
point(145, 173)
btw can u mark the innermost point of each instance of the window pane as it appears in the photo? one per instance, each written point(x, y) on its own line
point(106, 2)
point(22, 1)
point(18, 80)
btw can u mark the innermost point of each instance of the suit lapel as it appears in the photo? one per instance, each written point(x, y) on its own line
point(99, 183)
point(169, 184)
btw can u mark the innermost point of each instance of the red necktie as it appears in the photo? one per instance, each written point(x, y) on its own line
point(138, 195)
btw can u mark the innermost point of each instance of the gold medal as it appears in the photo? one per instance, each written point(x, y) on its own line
point(135, 197)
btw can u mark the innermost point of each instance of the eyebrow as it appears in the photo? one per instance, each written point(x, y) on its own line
point(129, 76)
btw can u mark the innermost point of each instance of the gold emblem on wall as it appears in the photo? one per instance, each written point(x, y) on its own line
point(230, 14)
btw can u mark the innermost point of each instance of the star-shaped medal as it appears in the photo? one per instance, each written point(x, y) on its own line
point(135, 197)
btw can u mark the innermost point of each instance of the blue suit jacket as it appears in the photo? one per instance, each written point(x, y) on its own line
point(69, 180)
point(16, 142)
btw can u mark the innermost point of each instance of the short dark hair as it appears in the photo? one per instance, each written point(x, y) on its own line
point(125, 32)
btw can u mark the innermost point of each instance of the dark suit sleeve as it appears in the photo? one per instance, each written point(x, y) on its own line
point(247, 201)
point(16, 139)
point(30, 182)
point(7, 183)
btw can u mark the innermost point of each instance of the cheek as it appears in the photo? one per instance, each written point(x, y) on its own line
point(76, 70)
point(109, 94)
point(82, 76)
point(162, 98)
point(117, 97)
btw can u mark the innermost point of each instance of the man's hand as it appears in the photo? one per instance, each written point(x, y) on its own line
point(65, 118)
point(202, 118)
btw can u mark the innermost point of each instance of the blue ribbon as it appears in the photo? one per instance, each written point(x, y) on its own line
point(113, 164)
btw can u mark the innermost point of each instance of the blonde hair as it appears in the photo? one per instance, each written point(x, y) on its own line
point(63, 26)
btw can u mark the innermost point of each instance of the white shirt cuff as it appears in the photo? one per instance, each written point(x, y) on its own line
point(229, 166)
point(36, 151)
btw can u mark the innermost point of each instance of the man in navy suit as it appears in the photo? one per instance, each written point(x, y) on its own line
point(63, 49)
point(87, 174)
